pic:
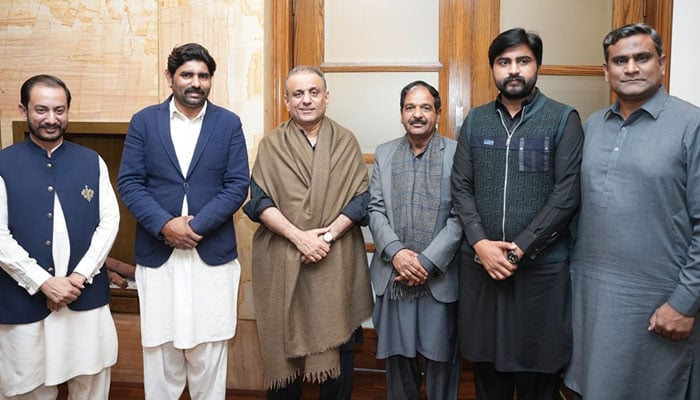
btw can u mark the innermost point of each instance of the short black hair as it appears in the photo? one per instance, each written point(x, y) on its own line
point(512, 38)
point(188, 52)
point(46, 80)
point(436, 95)
point(631, 30)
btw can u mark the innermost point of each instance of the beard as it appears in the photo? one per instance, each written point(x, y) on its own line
point(35, 130)
point(516, 93)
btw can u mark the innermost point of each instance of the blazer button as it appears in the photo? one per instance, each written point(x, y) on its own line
point(49, 215)
point(50, 188)
point(48, 243)
point(50, 269)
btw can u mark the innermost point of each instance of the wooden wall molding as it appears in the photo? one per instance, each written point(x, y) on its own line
point(278, 59)
point(486, 26)
point(568, 70)
point(659, 14)
point(380, 67)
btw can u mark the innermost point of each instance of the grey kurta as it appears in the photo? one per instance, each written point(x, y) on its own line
point(638, 247)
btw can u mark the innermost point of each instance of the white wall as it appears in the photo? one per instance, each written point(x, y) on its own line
point(686, 31)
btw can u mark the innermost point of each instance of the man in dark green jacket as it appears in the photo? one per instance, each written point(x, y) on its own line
point(515, 188)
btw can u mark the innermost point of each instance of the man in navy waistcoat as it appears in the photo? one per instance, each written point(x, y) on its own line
point(58, 220)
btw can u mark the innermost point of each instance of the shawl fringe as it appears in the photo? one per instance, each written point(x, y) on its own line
point(313, 377)
point(399, 291)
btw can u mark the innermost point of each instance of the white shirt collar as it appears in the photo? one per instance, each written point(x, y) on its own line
point(175, 112)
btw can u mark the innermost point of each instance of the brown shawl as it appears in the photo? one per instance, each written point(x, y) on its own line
point(305, 312)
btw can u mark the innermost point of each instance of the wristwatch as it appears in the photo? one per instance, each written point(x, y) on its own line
point(512, 257)
point(328, 237)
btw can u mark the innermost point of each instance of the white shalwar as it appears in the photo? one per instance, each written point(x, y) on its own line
point(66, 344)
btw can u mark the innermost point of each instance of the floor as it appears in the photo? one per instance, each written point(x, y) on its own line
point(368, 386)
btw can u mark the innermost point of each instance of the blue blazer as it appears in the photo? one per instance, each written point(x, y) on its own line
point(152, 186)
point(448, 232)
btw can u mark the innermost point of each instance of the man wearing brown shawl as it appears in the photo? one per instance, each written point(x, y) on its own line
point(311, 289)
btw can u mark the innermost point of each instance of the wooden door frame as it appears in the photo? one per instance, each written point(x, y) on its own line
point(658, 14)
point(464, 72)
point(459, 31)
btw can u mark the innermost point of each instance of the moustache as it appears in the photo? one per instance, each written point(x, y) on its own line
point(514, 79)
point(194, 90)
point(417, 120)
point(50, 126)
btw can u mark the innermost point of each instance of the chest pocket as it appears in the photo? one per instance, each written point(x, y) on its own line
point(534, 154)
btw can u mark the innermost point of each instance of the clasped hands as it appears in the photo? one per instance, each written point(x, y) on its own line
point(178, 233)
point(61, 291)
point(409, 269)
point(311, 245)
point(493, 257)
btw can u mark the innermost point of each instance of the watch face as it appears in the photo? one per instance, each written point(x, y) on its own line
point(512, 257)
point(328, 237)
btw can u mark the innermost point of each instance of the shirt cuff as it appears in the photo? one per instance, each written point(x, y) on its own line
point(34, 280)
point(392, 248)
point(684, 301)
point(526, 241)
point(84, 269)
point(475, 232)
point(428, 265)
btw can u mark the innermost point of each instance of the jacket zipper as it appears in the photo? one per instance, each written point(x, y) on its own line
point(505, 180)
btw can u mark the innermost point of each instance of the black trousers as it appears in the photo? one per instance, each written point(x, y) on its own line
point(332, 389)
point(496, 385)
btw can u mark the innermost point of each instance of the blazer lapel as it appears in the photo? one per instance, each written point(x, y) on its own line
point(205, 134)
point(163, 120)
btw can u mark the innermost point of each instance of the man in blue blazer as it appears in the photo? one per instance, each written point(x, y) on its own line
point(416, 235)
point(184, 172)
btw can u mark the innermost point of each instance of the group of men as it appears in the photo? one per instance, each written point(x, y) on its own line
point(521, 247)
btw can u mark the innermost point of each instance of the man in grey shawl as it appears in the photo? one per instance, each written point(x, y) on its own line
point(311, 286)
point(636, 262)
point(416, 235)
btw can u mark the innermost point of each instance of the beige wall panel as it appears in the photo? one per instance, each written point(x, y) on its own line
point(571, 30)
point(367, 103)
point(244, 363)
point(105, 51)
point(366, 31)
point(112, 54)
point(232, 31)
point(586, 94)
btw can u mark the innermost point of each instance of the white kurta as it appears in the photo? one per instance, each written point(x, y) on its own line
point(186, 301)
point(66, 343)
